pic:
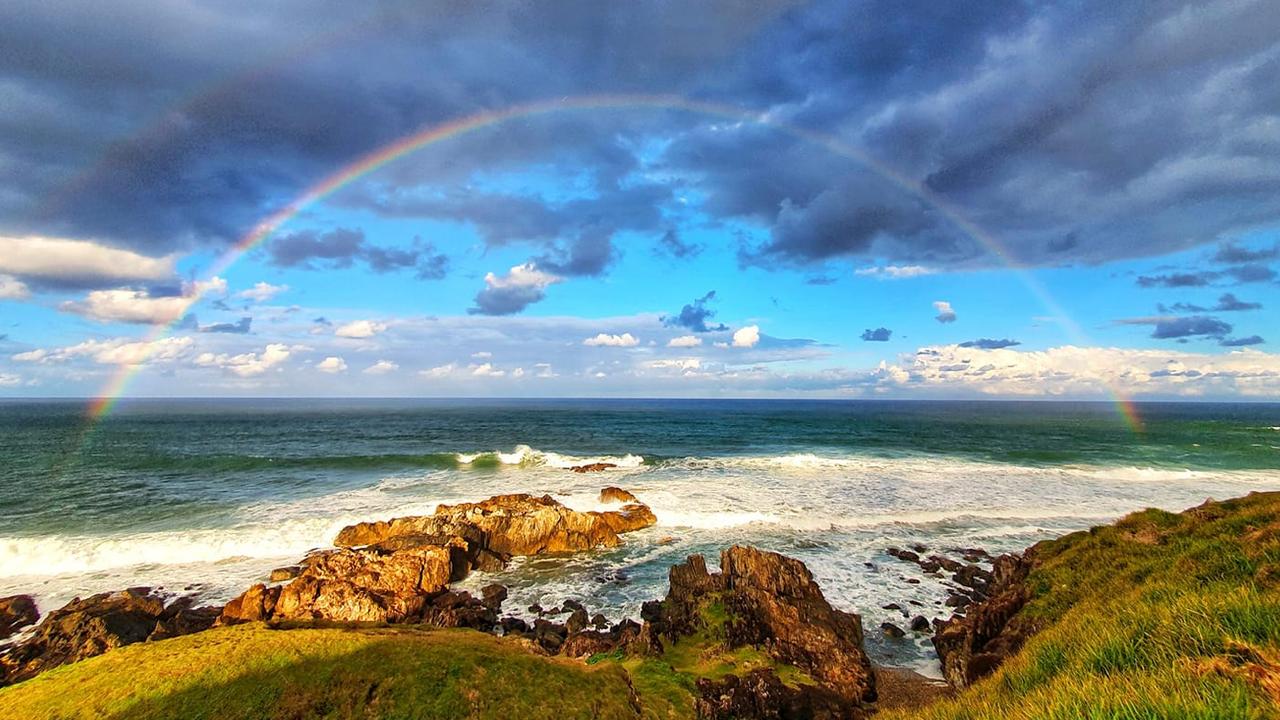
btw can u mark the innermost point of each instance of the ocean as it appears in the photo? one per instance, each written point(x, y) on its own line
point(207, 496)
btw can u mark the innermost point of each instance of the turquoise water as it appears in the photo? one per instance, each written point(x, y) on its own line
point(210, 495)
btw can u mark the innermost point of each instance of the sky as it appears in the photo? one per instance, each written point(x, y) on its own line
point(651, 199)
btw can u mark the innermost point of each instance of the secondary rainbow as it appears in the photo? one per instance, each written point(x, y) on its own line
point(372, 161)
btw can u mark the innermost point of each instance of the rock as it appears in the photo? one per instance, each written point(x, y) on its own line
point(577, 622)
point(946, 563)
point(16, 612)
point(571, 605)
point(973, 576)
point(252, 605)
point(773, 604)
point(891, 630)
point(535, 609)
point(366, 585)
point(958, 600)
point(971, 646)
point(92, 626)
point(920, 623)
point(548, 635)
point(905, 555)
point(593, 467)
point(285, 573)
point(588, 643)
point(618, 495)
point(513, 626)
point(920, 548)
point(494, 595)
point(181, 617)
point(760, 694)
point(599, 621)
point(507, 525)
point(891, 606)
point(458, 609)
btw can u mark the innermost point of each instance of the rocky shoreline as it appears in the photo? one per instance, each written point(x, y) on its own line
point(798, 656)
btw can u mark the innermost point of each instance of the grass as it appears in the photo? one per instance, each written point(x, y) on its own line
point(249, 671)
point(1160, 616)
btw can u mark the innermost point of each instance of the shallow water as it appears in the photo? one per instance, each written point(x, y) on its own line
point(208, 496)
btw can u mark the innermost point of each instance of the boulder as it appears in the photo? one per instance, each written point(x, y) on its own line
point(616, 494)
point(254, 604)
point(16, 612)
point(494, 595)
point(284, 574)
point(86, 627)
point(920, 624)
point(891, 630)
point(593, 467)
point(366, 585)
point(972, 645)
point(458, 609)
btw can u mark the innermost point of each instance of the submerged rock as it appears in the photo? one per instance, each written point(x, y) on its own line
point(593, 467)
point(91, 626)
point(16, 612)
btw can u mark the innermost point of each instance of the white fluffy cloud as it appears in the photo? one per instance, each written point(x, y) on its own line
point(606, 340)
point(120, 351)
point(78, 261)
point(360, 329)
point(685, 341)
point(332, 364)
point(440, 371)
point(139, 306)
point(247, 364)
point(13, 289)
point(382, 367)
point(262, 292)
point(945, 312)
point(10, 380)
point(746, 337)
point(894, 272)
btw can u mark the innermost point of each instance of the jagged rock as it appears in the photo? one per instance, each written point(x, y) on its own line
point(16, 612)
point(577, 621)
point(285, 573)
point(891, 630)
point(973, 576)
point(973, 645)
point(252, 605)
point(946, 563)
point(507, 525)
point(588, 643)
point(773, 604)
point(617, 494)
point(599, 621)
point(593, 467)
point(458, 609)
point(920, 623)
point(86, 627)
point(760, 694)
point(366, 585)
point(494, 595)
point(182, 617)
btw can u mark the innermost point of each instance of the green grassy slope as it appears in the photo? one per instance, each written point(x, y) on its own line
point(1159, 616)
point(249, 671)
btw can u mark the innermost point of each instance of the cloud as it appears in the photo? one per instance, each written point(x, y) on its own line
point(1232, 253)
point(13, 289)
point(119, 351)
point(332, 365)
point(10, 380)
point(746, 337)
point(1227, 303)
point(695, 315)
point(249, 364)
point(486, 370)
point(1251, 273)
point(360, 329)
point(440, 371)
point(240, 327)
point(1190, 326)
point(684, 341)
point(382, 367)
point(62, 263)
point(945, 313)
point(262, 292)
point(881, 334)
point(142, 306)
point(1241, 342)
point(508, 294)
point(894, 272)
point(989, 343)
point(672, 244)
point(606, 340)
point(343, 247)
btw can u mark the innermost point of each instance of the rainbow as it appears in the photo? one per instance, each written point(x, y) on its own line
point(114, 389)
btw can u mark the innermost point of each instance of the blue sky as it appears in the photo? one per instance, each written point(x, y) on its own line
point(1125, 160)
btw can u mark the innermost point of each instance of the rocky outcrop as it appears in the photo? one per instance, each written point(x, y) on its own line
point(760, 694)
point(16, 612)
point(94, 625)
point(617, 495)
point(506, 525)
point(973, 645)
point(593, 467)
point(771, 603)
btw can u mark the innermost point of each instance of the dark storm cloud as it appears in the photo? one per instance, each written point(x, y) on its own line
point(989, 343)
point(342, 247)
point(1168, 328)
point(1241, 342)
point(695, 315)
point(1227, 303)
point(1071, 132)
point(881, 334)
